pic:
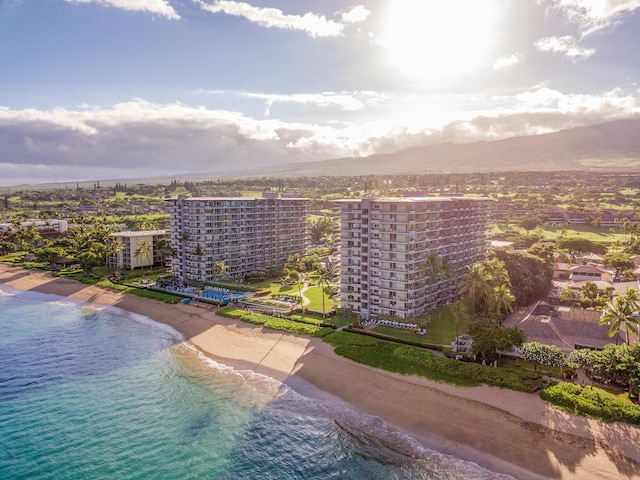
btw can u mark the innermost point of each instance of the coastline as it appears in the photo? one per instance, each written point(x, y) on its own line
point(502, 430)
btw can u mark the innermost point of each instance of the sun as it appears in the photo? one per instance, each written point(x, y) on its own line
point(438, 39)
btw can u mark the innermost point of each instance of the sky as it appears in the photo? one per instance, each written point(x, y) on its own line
point(122, 89)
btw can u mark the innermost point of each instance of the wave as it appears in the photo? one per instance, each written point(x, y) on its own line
point(262, 386)
point(144, 320)
point(367, 429)
point(375, 430)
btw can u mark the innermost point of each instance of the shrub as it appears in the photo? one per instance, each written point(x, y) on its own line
point(410, 360)
point(337, 339)
point(591, 402)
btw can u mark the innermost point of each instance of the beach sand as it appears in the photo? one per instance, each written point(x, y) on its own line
point(505, 431)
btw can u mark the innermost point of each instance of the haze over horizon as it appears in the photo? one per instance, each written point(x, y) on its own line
point(108, 89)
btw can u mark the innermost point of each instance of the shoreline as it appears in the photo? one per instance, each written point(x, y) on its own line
point(502, 430)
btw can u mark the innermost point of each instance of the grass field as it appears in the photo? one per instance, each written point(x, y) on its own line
point(548, 232)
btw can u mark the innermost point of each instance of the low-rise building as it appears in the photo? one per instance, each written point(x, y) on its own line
point(46, 228)
point(131, 255)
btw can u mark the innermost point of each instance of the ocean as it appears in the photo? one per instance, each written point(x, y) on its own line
point(90, 392)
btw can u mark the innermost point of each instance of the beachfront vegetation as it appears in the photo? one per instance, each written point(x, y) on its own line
point(592, 402)
point(617, 365)
point(273, 323)
point(409, 360)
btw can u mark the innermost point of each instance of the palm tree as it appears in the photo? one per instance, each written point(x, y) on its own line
point(590, 290)
point(295, 268)
point(113, 247)
point(459, 313)
point(632, 296)
point(165, 249)
point(620, 311)
point(220, 269)
point(324, 274)
point(501, 302)
point(475, 283)
point(143, 250)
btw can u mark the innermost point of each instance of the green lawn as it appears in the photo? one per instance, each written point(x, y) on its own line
point(441, 331)
point(524, 365)
point(599, 235)
point(314, 294)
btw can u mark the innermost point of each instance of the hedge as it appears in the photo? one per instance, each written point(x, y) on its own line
point(591, 402)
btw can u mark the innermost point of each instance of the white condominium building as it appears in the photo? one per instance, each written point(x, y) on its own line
point(390, 248)
point(130, 255)
point(245, 234)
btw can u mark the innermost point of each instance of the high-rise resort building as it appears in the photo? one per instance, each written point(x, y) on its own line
point(402, 257)
point(243, 234)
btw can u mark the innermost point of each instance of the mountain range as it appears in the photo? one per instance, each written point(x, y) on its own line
point(612, 146)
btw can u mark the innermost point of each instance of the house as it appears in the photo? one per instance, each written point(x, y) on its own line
point(561, 271)
point(568, 328)
point(583, 273)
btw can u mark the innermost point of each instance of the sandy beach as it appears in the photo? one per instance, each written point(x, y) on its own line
point(502, 430)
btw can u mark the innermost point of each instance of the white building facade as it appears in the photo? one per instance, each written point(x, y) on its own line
point(51, 226)
point(246, 234)
point(126, 258)
point(385, 247)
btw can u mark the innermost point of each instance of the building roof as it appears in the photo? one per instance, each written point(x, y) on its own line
point(205, 199)
point(568, 328)
point(412, 199)
point(587, 269)
point(139, 233)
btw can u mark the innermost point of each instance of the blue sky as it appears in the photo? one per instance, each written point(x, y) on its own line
point(116, 89)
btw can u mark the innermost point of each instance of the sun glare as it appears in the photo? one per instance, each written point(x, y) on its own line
point(438, 39)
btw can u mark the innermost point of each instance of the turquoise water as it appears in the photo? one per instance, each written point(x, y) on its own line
point(95, 393)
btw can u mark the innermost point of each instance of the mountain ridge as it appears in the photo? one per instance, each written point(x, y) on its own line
point(607, 146)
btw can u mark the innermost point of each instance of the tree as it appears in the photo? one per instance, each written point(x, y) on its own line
point(500, 302)
point(295, 269)
point(543, 355)
point(590, 290)
point(321, 227)
point(575, 246)
point(491, 340)
point(618, 364)
point(220, 269)
point(324, 274)
point(619, 262)
point(459, 313)
point(475, 283)
point(165, 249)
point(143, 250)
point(621, 311)
point(435, 266)
point(50, 254)
point(87, 261)
point(543, 249)
point(112, 248)
point(529, 276)
point(529, 222)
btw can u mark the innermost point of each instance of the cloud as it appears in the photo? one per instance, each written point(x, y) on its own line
point(138, 139)
point(159, 7)
point(594, 15)
point(312, 24)
point(504, 63)
point(355, 15)
point(566, 45)
point(344, 101)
